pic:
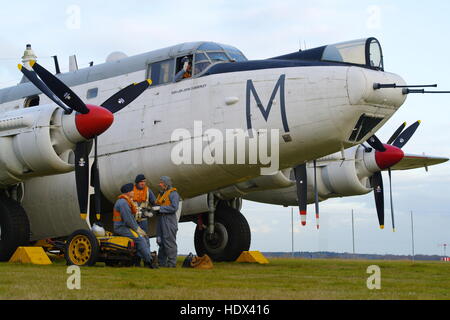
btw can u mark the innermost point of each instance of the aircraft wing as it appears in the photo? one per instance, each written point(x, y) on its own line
point(412, 161)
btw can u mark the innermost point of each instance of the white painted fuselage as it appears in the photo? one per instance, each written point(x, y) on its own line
point(323, 104)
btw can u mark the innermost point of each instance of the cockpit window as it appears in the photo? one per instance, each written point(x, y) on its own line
point(210, 53)
point(200, 66)
point(364, 52)
point(375, 55)
point(210, 46)
point(235, 55)
point(351, 52)
point(201, 56)
point(218, 56)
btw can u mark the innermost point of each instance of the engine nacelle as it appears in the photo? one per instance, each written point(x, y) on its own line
point(337, 176)
point(36, 141)
point(200, 204)
point(267, 182)
point(343, 178)
point(195, 205)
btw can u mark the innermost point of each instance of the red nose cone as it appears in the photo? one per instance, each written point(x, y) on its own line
point(94, 123)
point(388, 158)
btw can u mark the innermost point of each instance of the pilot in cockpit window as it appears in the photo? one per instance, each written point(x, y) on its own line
point(186, 70)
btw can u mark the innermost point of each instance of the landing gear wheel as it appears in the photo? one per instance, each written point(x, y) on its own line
point(14, 227)
point(231, 236)
point(82, 248)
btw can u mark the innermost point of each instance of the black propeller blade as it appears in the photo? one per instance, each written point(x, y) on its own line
point(375, 143)
point(82, 175)
point(63, 92)
point(377, 183)
point(397, 133)
point(399, 139)
point(125, 96)
point(31, 75)
point(301, 182)
point(404, 137)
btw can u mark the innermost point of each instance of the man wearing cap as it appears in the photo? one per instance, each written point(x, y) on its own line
point(143, 198)
point(186, 70)
point(125, 224)
point(167, 226)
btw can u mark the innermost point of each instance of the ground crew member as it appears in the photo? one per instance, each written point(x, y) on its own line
point(143, 199)
point(125, 224)
point(167, 225)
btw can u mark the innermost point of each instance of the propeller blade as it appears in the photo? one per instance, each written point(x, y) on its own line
point(63, 92)
point(375, 143)
point(316, 194)
point(96, 183)
point(377, 183)
point(397, 133)
point(301, 182)
point(390, 194)
point(125, 96)
point(82, 176)
point(406, 135)
point(31, 75)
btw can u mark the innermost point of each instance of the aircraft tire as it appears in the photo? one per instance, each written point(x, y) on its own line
point(232, 236)
point(82, 248)
point(14, 227)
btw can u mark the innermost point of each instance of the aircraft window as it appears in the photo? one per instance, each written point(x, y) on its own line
point(364, 52)
point(92, 93)
point(200, 57)
point(210, 46)
point(239, 57)
point(181, 73)
point(218, 56)
point(200, 66)
point(350, 52)
point(375, 54)
point(162, 72)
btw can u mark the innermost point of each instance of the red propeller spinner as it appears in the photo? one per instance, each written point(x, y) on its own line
point(388, 158)
point(94, 123)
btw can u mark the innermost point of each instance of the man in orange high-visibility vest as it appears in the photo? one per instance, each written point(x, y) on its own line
point(143, 198)
point(166, 207)
point(125, 224)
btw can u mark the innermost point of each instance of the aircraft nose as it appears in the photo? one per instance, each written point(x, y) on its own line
point(94, 123)
point(388, 158)
point(360, 88)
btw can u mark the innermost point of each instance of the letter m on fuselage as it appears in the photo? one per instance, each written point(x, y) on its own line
point(266, 111)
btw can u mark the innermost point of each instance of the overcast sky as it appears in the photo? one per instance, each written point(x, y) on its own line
point(414, 37)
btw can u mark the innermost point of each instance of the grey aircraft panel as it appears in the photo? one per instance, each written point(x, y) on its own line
point(106, 70)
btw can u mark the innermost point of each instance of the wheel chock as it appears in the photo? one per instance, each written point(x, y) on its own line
point(34, 255)
point(203, 262)
point(252, 257)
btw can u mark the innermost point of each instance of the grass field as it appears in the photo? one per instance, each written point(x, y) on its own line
point(281, 279)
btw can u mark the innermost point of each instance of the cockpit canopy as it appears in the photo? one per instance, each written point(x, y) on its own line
point(363, 52)
point(167, 65)
point(210, 52)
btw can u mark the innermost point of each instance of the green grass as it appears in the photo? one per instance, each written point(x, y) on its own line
point(281, 279)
